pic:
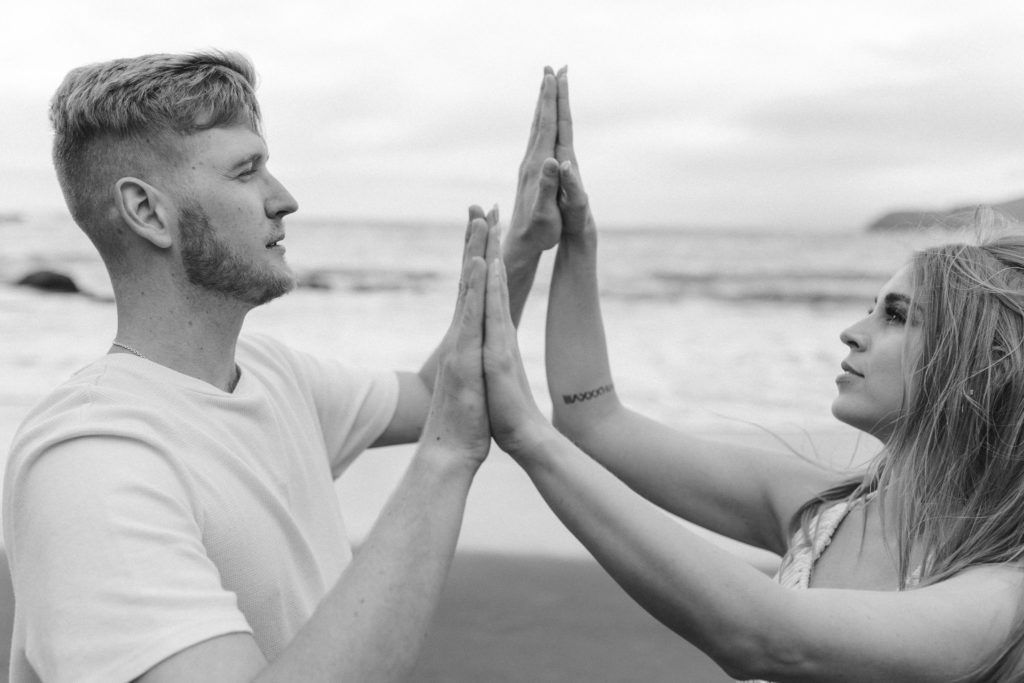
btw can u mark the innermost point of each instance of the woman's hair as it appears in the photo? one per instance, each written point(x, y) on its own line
point(113, 117)
point(953, 468)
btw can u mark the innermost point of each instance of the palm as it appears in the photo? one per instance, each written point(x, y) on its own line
point(536, 217)
point(536, 221)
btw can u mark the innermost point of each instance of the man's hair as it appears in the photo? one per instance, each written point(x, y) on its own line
point(123, 117)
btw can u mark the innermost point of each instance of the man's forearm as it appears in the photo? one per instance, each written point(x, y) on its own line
point(370, 626)
point(521, 265)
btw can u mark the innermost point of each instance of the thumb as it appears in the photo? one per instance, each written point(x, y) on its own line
point(548, 185)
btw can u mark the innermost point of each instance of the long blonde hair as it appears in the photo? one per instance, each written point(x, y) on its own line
point(953, 467)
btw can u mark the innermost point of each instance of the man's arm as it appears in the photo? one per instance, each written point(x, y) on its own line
point(370, 625)
point(535, 227)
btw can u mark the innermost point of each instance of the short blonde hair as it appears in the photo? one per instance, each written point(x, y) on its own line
point(110, 116)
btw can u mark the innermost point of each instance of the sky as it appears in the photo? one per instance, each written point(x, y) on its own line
point(764, 113)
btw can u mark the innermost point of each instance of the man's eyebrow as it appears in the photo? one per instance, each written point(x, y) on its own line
point(253, 158)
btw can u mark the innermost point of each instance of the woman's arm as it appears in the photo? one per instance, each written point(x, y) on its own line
point(748, 624)
point(747, 494)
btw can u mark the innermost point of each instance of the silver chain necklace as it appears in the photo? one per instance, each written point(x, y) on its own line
point(128, 349)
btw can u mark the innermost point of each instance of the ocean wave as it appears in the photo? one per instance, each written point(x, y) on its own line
point(368, 279)
point(798, 287)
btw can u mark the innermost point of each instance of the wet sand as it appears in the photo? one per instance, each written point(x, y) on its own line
point(536, 619)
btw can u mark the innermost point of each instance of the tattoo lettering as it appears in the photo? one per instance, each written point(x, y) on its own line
point(587, 395)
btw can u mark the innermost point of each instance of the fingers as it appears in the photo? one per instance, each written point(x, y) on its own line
point(471, 314)
point(476, 236)
point(547, 190)
point(535, 124)
point(573, 201)
point(500, 332)
point(493, 216)
point(564, 150)
point(494, 244)
point(574, 197)
point(474, 212)
point(475, 247)
point(544, 129)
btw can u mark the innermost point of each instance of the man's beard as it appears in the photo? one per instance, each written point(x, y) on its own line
point(211, 264)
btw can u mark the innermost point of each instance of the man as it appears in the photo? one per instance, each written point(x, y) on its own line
point(169, 511)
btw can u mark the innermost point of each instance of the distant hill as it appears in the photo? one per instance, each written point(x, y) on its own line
point(955, 217)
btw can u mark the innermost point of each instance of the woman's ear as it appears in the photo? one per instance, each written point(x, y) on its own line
point(145, 210)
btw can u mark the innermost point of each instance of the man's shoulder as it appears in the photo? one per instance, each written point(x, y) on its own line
point(81, 388)
point(94, 400)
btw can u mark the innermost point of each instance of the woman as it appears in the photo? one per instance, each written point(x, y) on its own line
point(914, 565)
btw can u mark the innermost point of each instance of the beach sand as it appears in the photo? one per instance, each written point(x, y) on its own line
point(538, 619)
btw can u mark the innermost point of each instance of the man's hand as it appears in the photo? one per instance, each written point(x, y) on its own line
point(536, 222)
point(458, 409)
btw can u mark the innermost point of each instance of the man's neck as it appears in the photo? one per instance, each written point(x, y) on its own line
point(197, 340)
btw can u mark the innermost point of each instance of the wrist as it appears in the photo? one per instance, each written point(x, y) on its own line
point(544, 452)
point(447, 461)
point(519, 254)
point(529, 442)
point(585, 239)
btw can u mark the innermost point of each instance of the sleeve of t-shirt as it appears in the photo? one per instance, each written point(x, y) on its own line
point(110, 570)
point(354, 405)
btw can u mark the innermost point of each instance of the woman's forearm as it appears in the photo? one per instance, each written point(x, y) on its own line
point(578, 370)
point(706, 595)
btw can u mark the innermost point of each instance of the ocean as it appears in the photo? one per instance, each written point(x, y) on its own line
point(726, 332)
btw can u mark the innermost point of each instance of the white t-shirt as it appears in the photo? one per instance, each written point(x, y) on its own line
point(146, 511)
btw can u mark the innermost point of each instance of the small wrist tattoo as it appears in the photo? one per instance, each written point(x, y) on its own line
point(587, 395)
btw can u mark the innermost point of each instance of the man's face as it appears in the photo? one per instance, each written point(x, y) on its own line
point(213, 263)
point(231, 217)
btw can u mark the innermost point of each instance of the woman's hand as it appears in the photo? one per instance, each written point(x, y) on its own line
point(517, 424)
point(573, 202)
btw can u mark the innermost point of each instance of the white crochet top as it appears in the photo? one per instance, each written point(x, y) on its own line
point(795, 569)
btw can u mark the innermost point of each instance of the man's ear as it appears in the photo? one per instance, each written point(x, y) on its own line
point(145, 210)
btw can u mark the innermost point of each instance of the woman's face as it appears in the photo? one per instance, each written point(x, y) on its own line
point(875, 379)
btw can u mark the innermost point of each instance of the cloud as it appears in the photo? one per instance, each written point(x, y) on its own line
point(777, 112)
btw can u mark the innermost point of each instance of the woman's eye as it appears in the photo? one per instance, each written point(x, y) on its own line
point(895, 315)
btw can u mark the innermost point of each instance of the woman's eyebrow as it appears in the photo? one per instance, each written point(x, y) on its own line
point(894, 298)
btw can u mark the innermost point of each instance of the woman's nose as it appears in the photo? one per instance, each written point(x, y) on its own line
point(854, 337)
